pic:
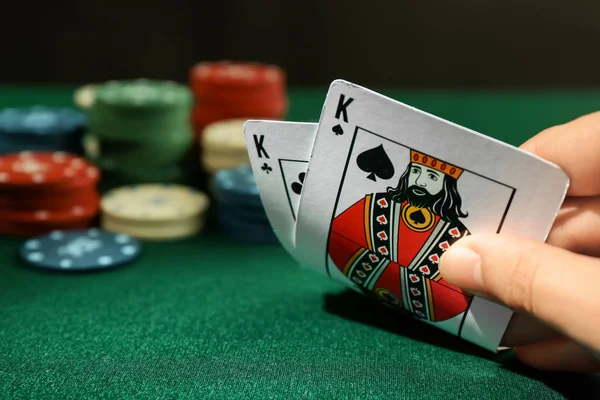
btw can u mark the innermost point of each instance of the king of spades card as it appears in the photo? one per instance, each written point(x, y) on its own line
point(389, 243)
point(390, 188)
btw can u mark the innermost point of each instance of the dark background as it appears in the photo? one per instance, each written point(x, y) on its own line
point(392, 43)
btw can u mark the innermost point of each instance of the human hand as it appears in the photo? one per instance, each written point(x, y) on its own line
point(554, 286)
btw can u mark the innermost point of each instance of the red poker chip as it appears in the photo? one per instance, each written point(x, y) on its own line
point(252, 106)
point(45, 170)
point(27, 230)
point(207, 93)
point(72, 214)
point(236, 78)
point(83, 175)
point(47, 200)
point(212, 93)
point(236, 74)
point(204, 116)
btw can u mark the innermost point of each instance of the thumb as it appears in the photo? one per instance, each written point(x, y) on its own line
point(557, 286)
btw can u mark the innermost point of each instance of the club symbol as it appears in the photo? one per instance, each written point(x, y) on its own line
point(297, 186)
point(265, 167)
point(338, 130)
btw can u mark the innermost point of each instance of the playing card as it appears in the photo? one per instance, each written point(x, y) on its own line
point(389, 188)
point(279, 153)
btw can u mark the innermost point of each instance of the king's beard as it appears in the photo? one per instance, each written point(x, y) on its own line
point(420, 201)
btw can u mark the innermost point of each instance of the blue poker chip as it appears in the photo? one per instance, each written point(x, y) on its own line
point(247, 232)
point(18, 144)
point(41, 129)
point(236, 186)
point(41, 121)
point(80, 250)
point(250, 215)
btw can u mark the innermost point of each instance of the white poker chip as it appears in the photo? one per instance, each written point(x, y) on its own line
point(154, 231)
point(212, 163)
point(151, 203)
point(84, 96)
point(224, 136)
point(91, 146)
point(80, 250)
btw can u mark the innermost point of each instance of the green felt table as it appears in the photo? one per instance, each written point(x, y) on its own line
point(207, 317)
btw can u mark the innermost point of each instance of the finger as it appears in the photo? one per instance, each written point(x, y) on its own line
point(574, 147)
point(522, 328)
point(558, 354)
point(555, 285)
point(525, 329)
point(577, 226)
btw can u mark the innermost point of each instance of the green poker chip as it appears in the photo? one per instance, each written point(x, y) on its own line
point(142, 93)
point(141, 109)
point(170, 149)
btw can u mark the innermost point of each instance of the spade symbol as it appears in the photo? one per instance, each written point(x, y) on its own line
point(417, 216)
point(376, 162)
point(297, 186)
point(338, 130)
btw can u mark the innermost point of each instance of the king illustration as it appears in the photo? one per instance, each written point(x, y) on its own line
point(390, 243)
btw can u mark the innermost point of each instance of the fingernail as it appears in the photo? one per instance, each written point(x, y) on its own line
point(461, 266)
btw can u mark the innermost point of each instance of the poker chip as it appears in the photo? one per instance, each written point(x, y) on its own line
point(153, 211)
point(82, 211)
point(236, 185)
point(84, 97)
point(154, 202)
point(138, 129)
point(228, 93)
point(236, 75)
point(248, 232)
point(40, 128)
point(142, 93)
point(215, 162)
point(223, 146)
point(33, 229)
point(40, 169)
point(247, 213)
point(45, 191)
point(240, 212)
point(41, 121)
point(225, 136)
point(153, 231)
point(237, 90)
point(130, 153)
point(47, 200)
point(80, 250)
point(118, 177)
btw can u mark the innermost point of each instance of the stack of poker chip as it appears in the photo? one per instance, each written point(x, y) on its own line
point(42, 191)
point(223, 146)
point(234, 90)
point(139, 131)
point(41, 129)
point(154, 211)
point(240, 212)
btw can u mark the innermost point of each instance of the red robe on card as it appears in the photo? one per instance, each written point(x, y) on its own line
point(392, 250)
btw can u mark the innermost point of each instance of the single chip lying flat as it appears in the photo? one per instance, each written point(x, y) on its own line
point(80, 250)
